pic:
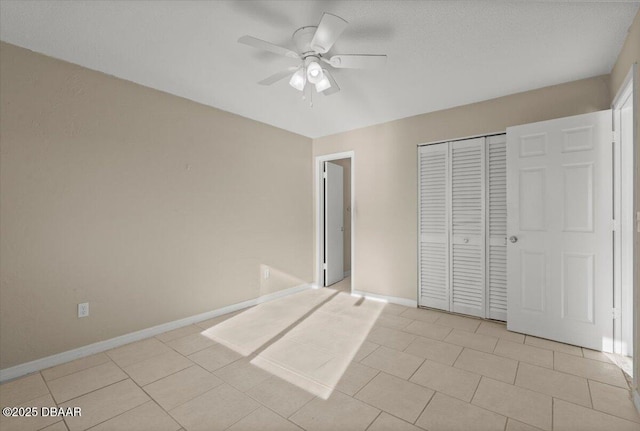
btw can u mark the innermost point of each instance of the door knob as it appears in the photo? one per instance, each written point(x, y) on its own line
point(513, 238)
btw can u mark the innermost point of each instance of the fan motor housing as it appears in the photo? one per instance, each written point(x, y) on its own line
point(302, 38)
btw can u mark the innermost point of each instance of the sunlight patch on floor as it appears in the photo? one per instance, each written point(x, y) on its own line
point(315, 354)
point(307, 339)
point(252, 329)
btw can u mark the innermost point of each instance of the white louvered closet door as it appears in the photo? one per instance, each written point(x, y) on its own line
point(496, 184)
point(433, 208)
point(467, 220)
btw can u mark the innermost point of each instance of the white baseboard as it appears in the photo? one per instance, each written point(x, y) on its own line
point(636, 398)
point(391, 299)
point(60, 358)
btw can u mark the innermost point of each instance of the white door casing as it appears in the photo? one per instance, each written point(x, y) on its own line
point(559, 206)
point(333, 223)
point(623, 214)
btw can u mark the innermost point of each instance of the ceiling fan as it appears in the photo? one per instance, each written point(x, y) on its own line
point(312, 44)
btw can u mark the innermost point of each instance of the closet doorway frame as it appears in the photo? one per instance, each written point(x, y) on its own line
point(418, 269)
point(629, 89)
point(319, 183)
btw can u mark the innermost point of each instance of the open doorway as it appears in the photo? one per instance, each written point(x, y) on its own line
point(334, 220)
point(624, 231)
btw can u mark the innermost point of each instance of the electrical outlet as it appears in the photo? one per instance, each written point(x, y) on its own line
point(267, 273)
point(83, 309)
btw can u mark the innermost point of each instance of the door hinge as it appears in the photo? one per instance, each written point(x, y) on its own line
point(324, 175)
point(616, 314)
point(615, 136)
point(614, 225)
point(324, 266)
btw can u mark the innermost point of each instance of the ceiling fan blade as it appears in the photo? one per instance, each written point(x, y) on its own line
point(267, 46)
point(334, 85)
point(329, 29)
point(278, 76)
point(357, 61)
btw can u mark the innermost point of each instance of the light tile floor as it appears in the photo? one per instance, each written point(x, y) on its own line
point(322, 360)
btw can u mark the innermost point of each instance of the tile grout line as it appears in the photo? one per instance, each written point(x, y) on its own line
point(192, 353)
point(383, 410)
point(166, 412)
point(457, 356)
point(512, 383)
point(425, 406)
point(243, 417)
point(374, 419)
point(363, 386)
point(193, 364)
point(273, 411)
point(614, 387)
point(54, 401)
point(131, 344)
point(93, 390)
point(77, 371)
point(122, 413)
point(558, 398)
point(369, 354)
point(224, 382)
point(408, 379)
point(599, 412)
point(496, 412)
point(591, 378)
point(48, 388)
point(476, 389)
point(104, 387)
point(296, 411)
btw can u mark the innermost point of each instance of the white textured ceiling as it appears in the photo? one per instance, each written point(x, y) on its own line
point(440, 54)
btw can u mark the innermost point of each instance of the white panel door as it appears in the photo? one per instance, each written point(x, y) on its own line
point(333, 224)
point(466, 254)
point(559, 201)
point(433, 192)
point(496, 227)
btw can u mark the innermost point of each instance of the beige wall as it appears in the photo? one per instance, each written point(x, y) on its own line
point(148, 206)
point(630, 54)
point(385, 208)
point(346, 166)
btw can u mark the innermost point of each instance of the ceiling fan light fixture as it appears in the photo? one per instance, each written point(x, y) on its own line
point(298, 80)
point(323, 84)
point(312, 43)
point(314, 72)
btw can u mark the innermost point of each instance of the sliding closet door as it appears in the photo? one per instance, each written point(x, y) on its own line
point(496, 181)
point(467, 263)
point(433, 208)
